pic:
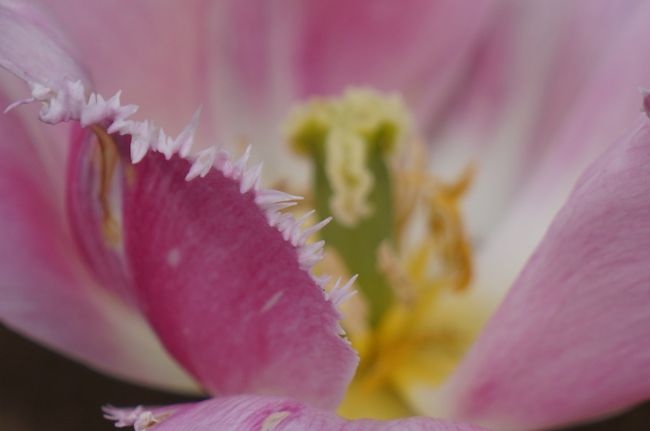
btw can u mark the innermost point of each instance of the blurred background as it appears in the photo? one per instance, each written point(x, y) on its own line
point(41, 390)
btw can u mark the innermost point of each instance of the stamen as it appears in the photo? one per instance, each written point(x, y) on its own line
point(108, 159)
point(351, 140)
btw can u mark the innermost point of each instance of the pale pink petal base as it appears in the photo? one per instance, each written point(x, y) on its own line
point(254, 413)
point(570, 341)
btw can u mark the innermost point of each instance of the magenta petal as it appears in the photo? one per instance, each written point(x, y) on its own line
point(570, 341)
point(222, 276)
point(253, 413)
point(225, 291)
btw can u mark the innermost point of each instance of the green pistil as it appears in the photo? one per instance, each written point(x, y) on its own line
point(349, 141)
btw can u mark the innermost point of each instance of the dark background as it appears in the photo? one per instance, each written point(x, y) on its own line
point(42, 391)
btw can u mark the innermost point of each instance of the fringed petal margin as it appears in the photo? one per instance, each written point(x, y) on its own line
point(252, 413)
point(220, 272)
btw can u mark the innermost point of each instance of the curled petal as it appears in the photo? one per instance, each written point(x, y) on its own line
point(222, 275)
point(47, 293)
point(223, 279)
point(251, 413)
point(568, 344)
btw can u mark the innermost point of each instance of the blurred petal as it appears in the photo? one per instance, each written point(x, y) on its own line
point(531, 73)
point(244, 413)
point(32, 48)
point(419, 48)
point(271, 54)
point(568, 344)
point(46, 292)
point(246, 62)
point(153, 51)
point(607, 105)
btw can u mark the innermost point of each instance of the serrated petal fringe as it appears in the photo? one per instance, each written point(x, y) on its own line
point(68, 102)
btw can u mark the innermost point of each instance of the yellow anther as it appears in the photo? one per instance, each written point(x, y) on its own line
point(445, 246)
point(448, 232)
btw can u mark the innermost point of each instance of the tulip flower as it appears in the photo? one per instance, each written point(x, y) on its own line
point(173, 265)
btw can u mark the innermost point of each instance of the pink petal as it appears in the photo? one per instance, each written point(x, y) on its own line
point(32, 47)
point(268, 55)
point(47, 294)
point(604, 104)
point(530, 74)
point(153, 51)
point(420, 48)
point(229, 294)
point(244, 413)
point(568, 344)
point(226, 292)
point(247, 61)
point(221, 275)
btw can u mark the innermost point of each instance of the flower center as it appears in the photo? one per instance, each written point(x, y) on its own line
point(401, 230)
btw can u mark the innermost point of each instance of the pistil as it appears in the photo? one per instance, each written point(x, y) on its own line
point(350, 141)
point(401, 229)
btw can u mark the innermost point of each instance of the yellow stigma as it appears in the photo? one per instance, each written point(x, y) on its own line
point(348, 130)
